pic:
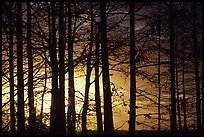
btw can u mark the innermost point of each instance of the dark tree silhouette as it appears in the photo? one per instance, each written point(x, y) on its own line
point(159, 68)
point(196, 65)
point(177, 86)
point(88, 75)
point(45, 85)
point(71, 117)
point(32, 115)
point(11, 67)
point(61, 118)
point(21, 112)
point(108, 115)
point(132, 115)
point(97, 87)
point(1, 71)
point(54, 116)
point(49, 47)
point(183, 88)
point(172, 68)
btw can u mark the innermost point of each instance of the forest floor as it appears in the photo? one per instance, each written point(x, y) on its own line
point(151, 132)
point(138, 133)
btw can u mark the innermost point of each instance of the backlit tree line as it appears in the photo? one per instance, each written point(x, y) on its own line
point(47, 45)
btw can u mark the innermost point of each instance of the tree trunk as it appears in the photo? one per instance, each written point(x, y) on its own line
point(177, 90)
point(159, 70)
point(61, 112)
point(184, 91)
point(45, 85)
point(1, 75)
point(21, 113)
point(108, 115)
point(12, 107)
point(172, 69)
point(88, 75)
point(97, 88)
point(196, 67)
point(132, 117)
point(49, 47)
point(71, 117)
point(32, 115)
point(54, 124)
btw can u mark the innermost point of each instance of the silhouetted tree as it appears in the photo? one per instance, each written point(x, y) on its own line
point(45, 85)
point(159, 68)
point(1, 72)
point(61, 118)
point(11, 67)
point(108, 115)
point(54, 114)
point(183, 88)
point(132, 115)
point(32, 115)
point(172, 68)
point(97, 88)
point(177, 86)
point(88, 75)
point(21, 112)
point(71, 117)
point(196, 65)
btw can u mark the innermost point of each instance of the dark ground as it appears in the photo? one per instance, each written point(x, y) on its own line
point(138, 133)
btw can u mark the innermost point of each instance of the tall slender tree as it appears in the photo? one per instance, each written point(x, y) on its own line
point(97, 88)
point(183, 88)
point(54, 116)
point(108, 114)
point(11, 68)
point(45, 85)
point(196, 65)
point(49, 47)
point(20, 87)
point(32, 115)
point(88, 75)
point(61, 118)
point(71, 116)
point(177, 76)
point(172, 68)
point(159, 68)
point(132, 115)
point(1, 71)
point(177, 87)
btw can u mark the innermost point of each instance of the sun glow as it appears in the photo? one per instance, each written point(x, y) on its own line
point(120, 97)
